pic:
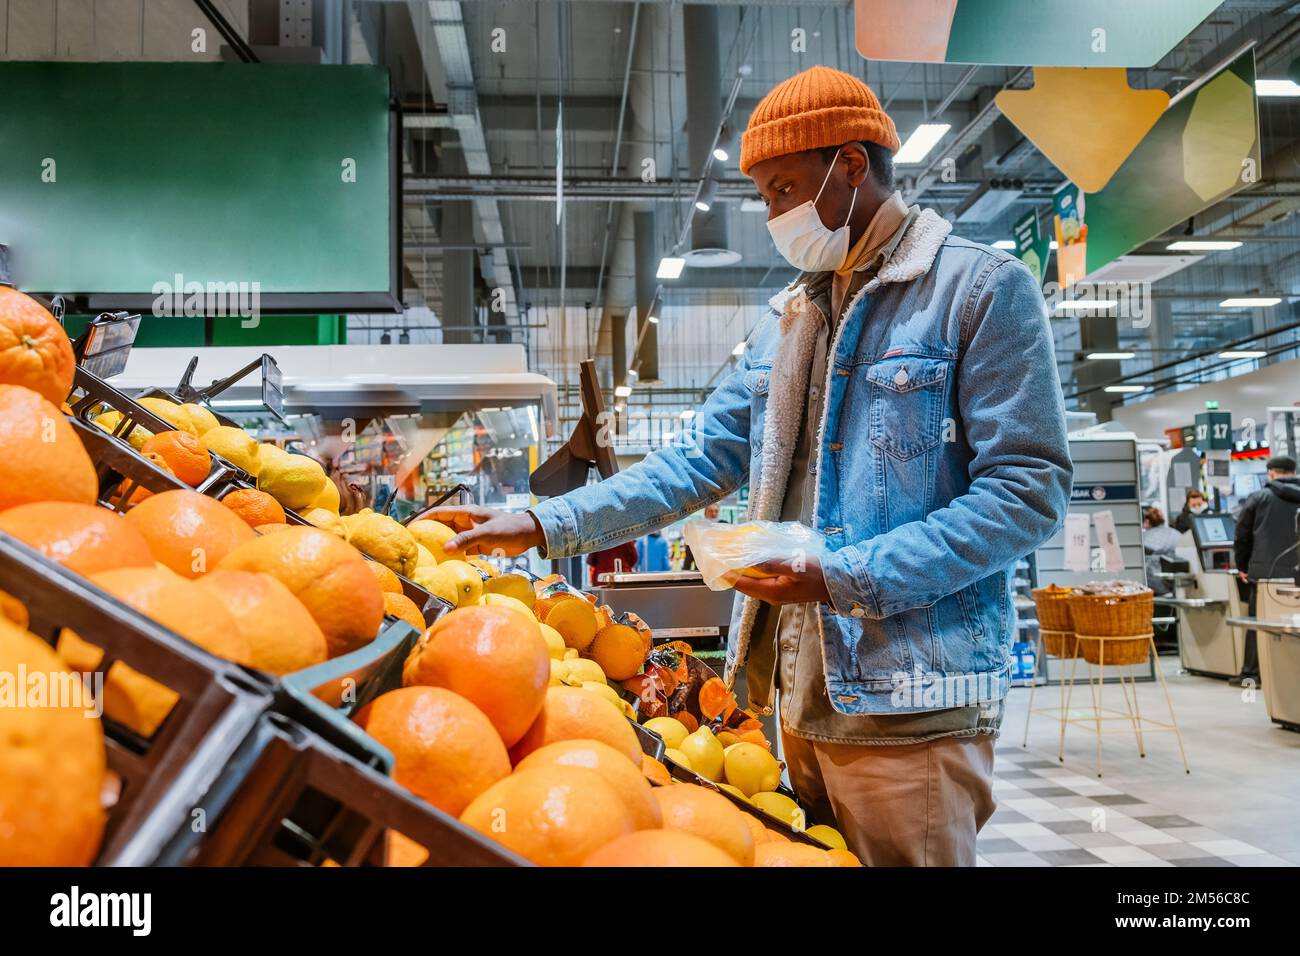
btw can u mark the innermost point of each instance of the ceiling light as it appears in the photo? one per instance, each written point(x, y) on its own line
point(923, 139)
point(652, 319)
point(670, 267)
point(1052, 244)
point(1005, 244)
point(1125, 389)
point(704, 198)
point(1084, 305)
point(688, 414)
point(726, 144)
point(622, 391)
point(1203, 245)
point(633, 374)
point(1110, 356)
point(1249, 302)
point(1243, 354)
point(739, 349)
point(1276, 88)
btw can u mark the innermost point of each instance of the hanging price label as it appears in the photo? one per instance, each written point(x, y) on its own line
point(1076, 542)
point(1109, 541)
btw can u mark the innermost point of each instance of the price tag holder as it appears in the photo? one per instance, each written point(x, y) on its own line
point(107, 344)
point(1108, 540)
point(272, 387)
point(1077, 556)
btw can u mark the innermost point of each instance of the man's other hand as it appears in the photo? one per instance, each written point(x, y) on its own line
point(487, 531)
point(787, 582)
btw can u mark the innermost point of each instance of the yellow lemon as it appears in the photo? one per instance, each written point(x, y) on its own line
point(780, 806)
point(384, 539)
point(734, 791)
point(828, 835)
point(109, 421)
point(672, 730)
point(505, 600)
point(580, 670)
point(570, 654)
point(424, 557)
point(704, 752)
point(601, 689)
point(433, 535)
point(173, 414)
point(236, 446)
point(455, 582)
point(554, 642)
point(292, 480)
point(678, 757)
point(484, 565)
point(328, 497)
point(327, 521)
point(202, 419)
point(750, 768)
point(515, 585)
point(557, 673)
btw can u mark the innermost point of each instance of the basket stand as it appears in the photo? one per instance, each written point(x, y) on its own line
point(1096, 716)
point(1049, 641)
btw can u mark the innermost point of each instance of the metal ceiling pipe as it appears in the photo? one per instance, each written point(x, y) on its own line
point(703, 115)
point(646, 359)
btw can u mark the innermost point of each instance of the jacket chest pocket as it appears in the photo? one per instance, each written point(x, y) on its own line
point(907, 395)
point(758, 381)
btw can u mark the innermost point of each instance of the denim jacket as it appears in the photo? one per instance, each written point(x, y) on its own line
point(941, 459)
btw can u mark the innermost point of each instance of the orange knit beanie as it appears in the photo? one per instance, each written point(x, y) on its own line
point(818, 107)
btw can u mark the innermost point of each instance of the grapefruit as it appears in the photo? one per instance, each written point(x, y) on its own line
point(41, 457)
point(83, 538)
point(188, 532)
point(571, 713)
point(659, 848)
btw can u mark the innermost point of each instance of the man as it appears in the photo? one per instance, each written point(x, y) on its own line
point(1265, 544)
point(619, 558)
point(902, 399)
point(1194, 504)
point(654, 557)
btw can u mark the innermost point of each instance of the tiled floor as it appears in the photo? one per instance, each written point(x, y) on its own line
point(1237, 807)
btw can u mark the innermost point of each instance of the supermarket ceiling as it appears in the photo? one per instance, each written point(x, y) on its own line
point(494, 92)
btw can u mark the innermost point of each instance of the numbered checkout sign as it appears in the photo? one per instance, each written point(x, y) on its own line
point(1214, 431)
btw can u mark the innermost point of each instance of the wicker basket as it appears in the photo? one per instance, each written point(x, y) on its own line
point(1053, 605)
point(1059, 643)
point(1124, 620)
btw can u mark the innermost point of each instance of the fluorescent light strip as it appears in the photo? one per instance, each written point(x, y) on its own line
point(1084, 305)
point(1276, 88)
point(1203, 245)
point(923, 139)
point(622, 391)
point(670, 267)
point(1125, 389)
point(1243, 354)
point(1249, 302)
point(1110, 356)
point(1004, 244)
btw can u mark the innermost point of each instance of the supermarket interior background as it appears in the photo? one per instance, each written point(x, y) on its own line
point(486, 252)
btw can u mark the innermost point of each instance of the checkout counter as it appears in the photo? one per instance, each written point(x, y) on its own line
point(1277, 635)
point(1206, 599)
point(677, 604)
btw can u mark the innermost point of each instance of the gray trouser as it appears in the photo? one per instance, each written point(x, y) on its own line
point(898, 805)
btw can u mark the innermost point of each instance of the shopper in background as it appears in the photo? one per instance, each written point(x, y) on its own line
point(902, 398)
point(620, 558)
point(655, 556)
point(1158, 540)
point(1194, 504)
point(1265, 543)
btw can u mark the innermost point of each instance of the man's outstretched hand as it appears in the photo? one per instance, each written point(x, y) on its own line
point(789, 583)
point(487, 531)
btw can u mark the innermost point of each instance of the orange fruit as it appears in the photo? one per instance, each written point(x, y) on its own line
point(401, 850)
point(131, 698)
point(619, 651)
point(845, 858)
point(34, 350)
point(654, 771)
point(403, 608)
point(553, 816)
point(273, 526)
point(327, 575)
point(255, 507)
point(13, 609)
point(52, 765)
point(185, 455)
point(708, 815)
point(41, 457)
point(777, 853)
point(756, 828)
point(620, 773)
point(141, 492)
point(659, 848)
point(389, 582)
point(494, 656)
point(188, 532)
point(571, 713)
point(446, 750)
point(576, 622)
point(282, 637)
point(82, 538)
point(776, 836)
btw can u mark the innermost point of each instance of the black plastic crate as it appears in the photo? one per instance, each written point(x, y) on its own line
point(289, 797)
point(164, 780)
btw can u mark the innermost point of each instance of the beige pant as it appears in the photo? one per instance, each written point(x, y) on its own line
point(903, 805)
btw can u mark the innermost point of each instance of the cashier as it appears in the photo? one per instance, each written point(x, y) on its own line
point(900, 397)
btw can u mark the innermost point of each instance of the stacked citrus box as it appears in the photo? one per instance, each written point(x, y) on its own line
point(506, 709)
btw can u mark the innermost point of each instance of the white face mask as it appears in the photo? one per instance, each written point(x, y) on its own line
point(803, 239)
point(1197, 509)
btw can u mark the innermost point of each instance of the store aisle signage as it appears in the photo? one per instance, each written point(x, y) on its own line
point(1032, 247)
point(1214, 431)
point(1027, 32)
point(1103, 493)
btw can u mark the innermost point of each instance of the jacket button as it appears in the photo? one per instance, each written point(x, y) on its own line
point(901, 378)
point(858, 611)
point(836, 446)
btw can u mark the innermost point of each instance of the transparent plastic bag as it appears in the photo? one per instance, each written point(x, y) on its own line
point(726, 552)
